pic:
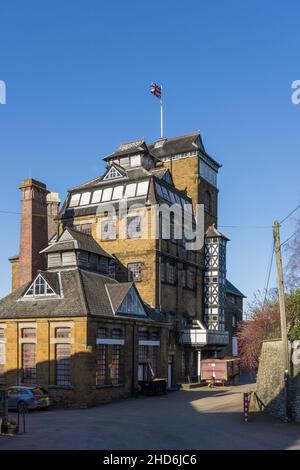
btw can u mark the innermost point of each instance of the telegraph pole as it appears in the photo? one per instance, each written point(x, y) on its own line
point(285, 347)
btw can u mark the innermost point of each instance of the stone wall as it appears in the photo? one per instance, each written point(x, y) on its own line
point(270, 382)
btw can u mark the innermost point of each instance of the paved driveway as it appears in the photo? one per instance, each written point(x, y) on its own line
point(192, 419)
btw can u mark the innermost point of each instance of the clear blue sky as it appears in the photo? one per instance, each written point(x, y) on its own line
point(78, 76)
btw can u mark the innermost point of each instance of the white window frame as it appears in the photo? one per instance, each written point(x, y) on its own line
point(112, 174)
point(130, 233)
point(142, 188)
point(74, 201)
point(34, 285)
point(85, 199)
point(112, 231)
point(117, 192)
point(130, 190)
point(96, 198)
point(106, 195)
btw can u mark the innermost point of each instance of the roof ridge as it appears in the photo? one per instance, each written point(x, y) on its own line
point(84, 184)
point(177, 138)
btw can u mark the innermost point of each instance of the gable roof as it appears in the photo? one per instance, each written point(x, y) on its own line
point(80, 293)
point(181, 144)
point(174, 145)
point(213, 232)
point(231, 289)
point(117, 293)
point(70, 303)
point(119, 169)
point(72, 239)
point(128, 148)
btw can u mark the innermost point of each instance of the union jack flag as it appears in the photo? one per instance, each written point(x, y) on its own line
point(156, 90)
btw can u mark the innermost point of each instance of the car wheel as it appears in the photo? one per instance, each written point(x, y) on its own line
point(22, 407)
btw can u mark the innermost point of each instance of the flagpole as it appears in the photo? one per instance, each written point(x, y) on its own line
point(161, 115)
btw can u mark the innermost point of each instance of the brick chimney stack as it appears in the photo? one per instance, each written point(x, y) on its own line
point(53, 203)
point(34, 229)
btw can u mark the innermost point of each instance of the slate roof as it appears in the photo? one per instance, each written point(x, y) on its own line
point(127, 148)
point(213, 232)
point(81, 241)
point(118, 292)
point(80, 293)
point(231, 289)
point(175, 145)
point(71, 303)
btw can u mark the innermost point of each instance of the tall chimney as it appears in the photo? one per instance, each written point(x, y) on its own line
point(53, 203)
point(34, 229)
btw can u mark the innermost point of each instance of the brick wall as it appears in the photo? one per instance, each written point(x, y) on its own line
point(34, 229)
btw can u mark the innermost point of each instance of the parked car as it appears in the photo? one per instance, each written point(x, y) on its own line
point(24, 398)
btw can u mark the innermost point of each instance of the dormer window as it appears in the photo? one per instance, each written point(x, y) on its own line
point(112, 173)
point(39, 288)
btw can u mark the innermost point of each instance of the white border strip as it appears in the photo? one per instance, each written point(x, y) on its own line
point(146, 342)
point(110, 341)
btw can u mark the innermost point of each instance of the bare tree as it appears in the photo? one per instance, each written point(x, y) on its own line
point(263, 323)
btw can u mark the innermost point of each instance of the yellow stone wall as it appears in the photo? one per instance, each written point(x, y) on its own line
point(45, 348)
point(14, 273)
point(83, 390)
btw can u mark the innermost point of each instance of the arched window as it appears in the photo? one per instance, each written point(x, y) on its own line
point(207, 202)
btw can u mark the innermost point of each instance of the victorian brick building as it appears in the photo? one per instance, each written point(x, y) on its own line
point(99, 305)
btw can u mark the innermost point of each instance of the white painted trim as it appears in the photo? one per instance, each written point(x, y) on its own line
point(121, 342)
point(3, 325)
point(110, 302)
point(148, 342)
point(62, 324)
point(2, 341)
point(61, 296)
point(61, 340)
point(27, 325)
point(28, 340)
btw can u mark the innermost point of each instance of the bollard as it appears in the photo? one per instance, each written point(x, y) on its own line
point(246, 406)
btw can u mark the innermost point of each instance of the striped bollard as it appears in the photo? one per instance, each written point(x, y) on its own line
point(246, 407)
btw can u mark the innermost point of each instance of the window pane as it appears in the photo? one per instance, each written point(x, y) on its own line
point(142, 188)
point(108, 229)
point(130, 190)
point(134, 272)
point(28, 332)
point(28, 363)
point(102, 332)
point(116, 333)
point(115, 369)
point(101, 365)
point(85, 199)
point(134, 227)
point(63, 364)
point(74, 201)
point(118, 192)
point(63, 332)
point(107, 194)
point(2, 358)
point(97, 196)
